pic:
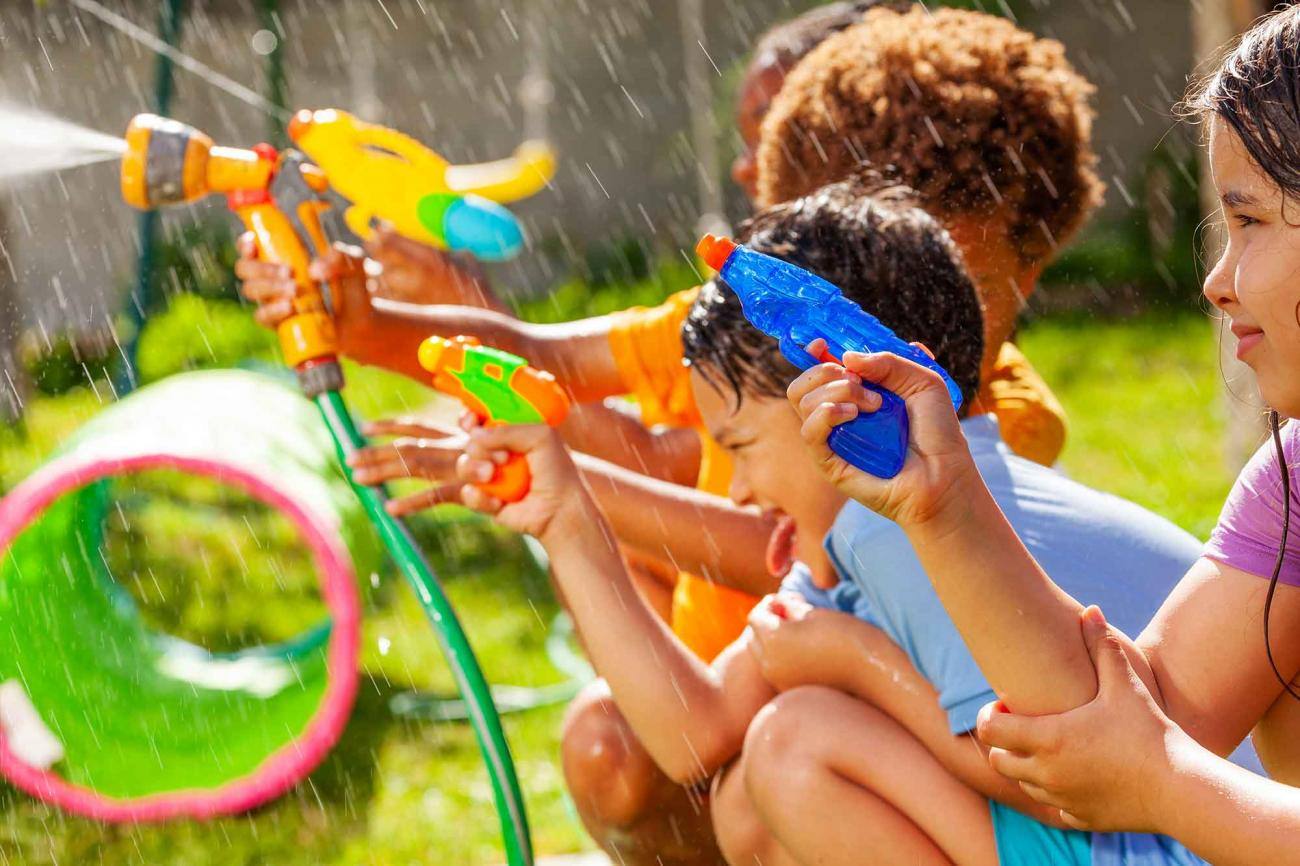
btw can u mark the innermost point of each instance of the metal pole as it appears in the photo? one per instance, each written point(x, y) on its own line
point(699, 99)
point(276, 85)
point(13, 378)
point(142, 300)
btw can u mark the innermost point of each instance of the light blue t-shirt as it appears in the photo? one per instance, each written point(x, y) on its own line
point(1099, 548)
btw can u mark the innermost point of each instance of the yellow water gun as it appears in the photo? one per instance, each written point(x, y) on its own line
point(349, 176)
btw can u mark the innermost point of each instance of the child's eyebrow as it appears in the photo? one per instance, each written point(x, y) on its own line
point(1236, 198)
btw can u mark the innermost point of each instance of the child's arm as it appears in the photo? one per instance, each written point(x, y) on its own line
point(385, 333)
point(799, 645)
point(690, 716)
point(1119, 763)
point(1021, 628)
point(697, 532)
point(617, 435)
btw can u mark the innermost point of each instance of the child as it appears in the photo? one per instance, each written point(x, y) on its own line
point(640, 350)
point(1033, 103)
point(891, 258)
point(1142, 750)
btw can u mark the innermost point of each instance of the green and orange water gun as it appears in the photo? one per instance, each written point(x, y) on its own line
point(499, 388)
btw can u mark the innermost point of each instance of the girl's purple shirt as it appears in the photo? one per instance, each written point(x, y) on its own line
point(1249, 531)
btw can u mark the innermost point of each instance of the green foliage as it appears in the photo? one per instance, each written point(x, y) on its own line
point(234, 575)
point(196, 333)
point(70, 361)
point(196, 258)
point(1142, 398)
point(577, 298)
point(1148, 248)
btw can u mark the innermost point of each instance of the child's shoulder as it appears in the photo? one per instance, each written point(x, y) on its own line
point(1249, 531)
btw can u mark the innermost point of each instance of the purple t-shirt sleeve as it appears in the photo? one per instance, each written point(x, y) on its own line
point(1250, 526)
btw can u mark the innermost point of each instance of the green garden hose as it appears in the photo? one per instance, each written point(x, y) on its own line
point(451, 637)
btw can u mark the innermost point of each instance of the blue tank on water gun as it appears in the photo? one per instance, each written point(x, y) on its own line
point(795, 307)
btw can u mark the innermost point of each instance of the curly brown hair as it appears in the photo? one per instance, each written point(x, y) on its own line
point(974, 113)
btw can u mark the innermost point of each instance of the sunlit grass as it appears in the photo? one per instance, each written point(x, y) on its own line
point(1143, 403)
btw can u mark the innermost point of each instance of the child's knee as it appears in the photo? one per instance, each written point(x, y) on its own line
point(742, 836)
point(607, 770)
point(780, 754)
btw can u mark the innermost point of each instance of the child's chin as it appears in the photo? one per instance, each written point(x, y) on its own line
point(1280, 392)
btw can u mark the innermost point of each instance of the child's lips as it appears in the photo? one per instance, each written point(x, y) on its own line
point(1248, 341)
point(780, 546)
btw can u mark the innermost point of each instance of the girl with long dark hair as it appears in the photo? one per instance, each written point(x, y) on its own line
point(1123, 734)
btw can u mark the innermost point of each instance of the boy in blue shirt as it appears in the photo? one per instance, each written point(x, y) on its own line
point(870, 239)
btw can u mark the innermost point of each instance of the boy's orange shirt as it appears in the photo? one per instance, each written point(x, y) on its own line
point(647, 347)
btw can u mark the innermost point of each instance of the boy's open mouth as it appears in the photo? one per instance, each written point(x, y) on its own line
point(780, 546)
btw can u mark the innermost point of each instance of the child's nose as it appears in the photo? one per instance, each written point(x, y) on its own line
point(739, 491)
point(1220, 286)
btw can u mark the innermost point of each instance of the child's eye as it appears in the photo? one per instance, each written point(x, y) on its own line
point(1245, 220)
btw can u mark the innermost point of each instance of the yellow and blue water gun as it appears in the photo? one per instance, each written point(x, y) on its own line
point(345, 177)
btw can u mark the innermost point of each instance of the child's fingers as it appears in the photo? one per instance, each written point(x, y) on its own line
point(246, 245)
point(922, 347)
point(480, 451)
point(272, 314)
point(1019, 768)
point(840, 391)
point(417, 428)
point(1024, 734)
point(265, 291)
point(905, 378)
point(813, 378)
point(441, 494)
point(821, 421)
point(519, 438)
point(476, 499)
point(372, 455)
point(326, 268)
point(256, 269)
point(475, 470)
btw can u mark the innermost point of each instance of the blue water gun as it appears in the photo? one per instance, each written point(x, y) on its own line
point(795, 307)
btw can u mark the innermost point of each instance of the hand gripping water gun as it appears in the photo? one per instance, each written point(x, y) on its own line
point(349, 175)
point(499, 388)
point(796, 307)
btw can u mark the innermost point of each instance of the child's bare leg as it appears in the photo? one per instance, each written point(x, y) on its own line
point(742, 836)
point(834, 780)
point(632, 810)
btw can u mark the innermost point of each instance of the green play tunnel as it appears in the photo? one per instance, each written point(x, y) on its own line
point(104, 716)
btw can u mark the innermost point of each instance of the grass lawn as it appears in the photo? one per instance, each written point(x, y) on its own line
point(1142, 399)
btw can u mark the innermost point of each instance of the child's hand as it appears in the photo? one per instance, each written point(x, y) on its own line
point(422, 450)
point(1104, 764)
point(419, 274)
point(938, 459)
point(556, 498)
point(793, 641)
point(269, 285)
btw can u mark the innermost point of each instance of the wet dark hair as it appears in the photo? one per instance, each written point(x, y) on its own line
point(1256, 92)
point(867, 236)
point(786, 43)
